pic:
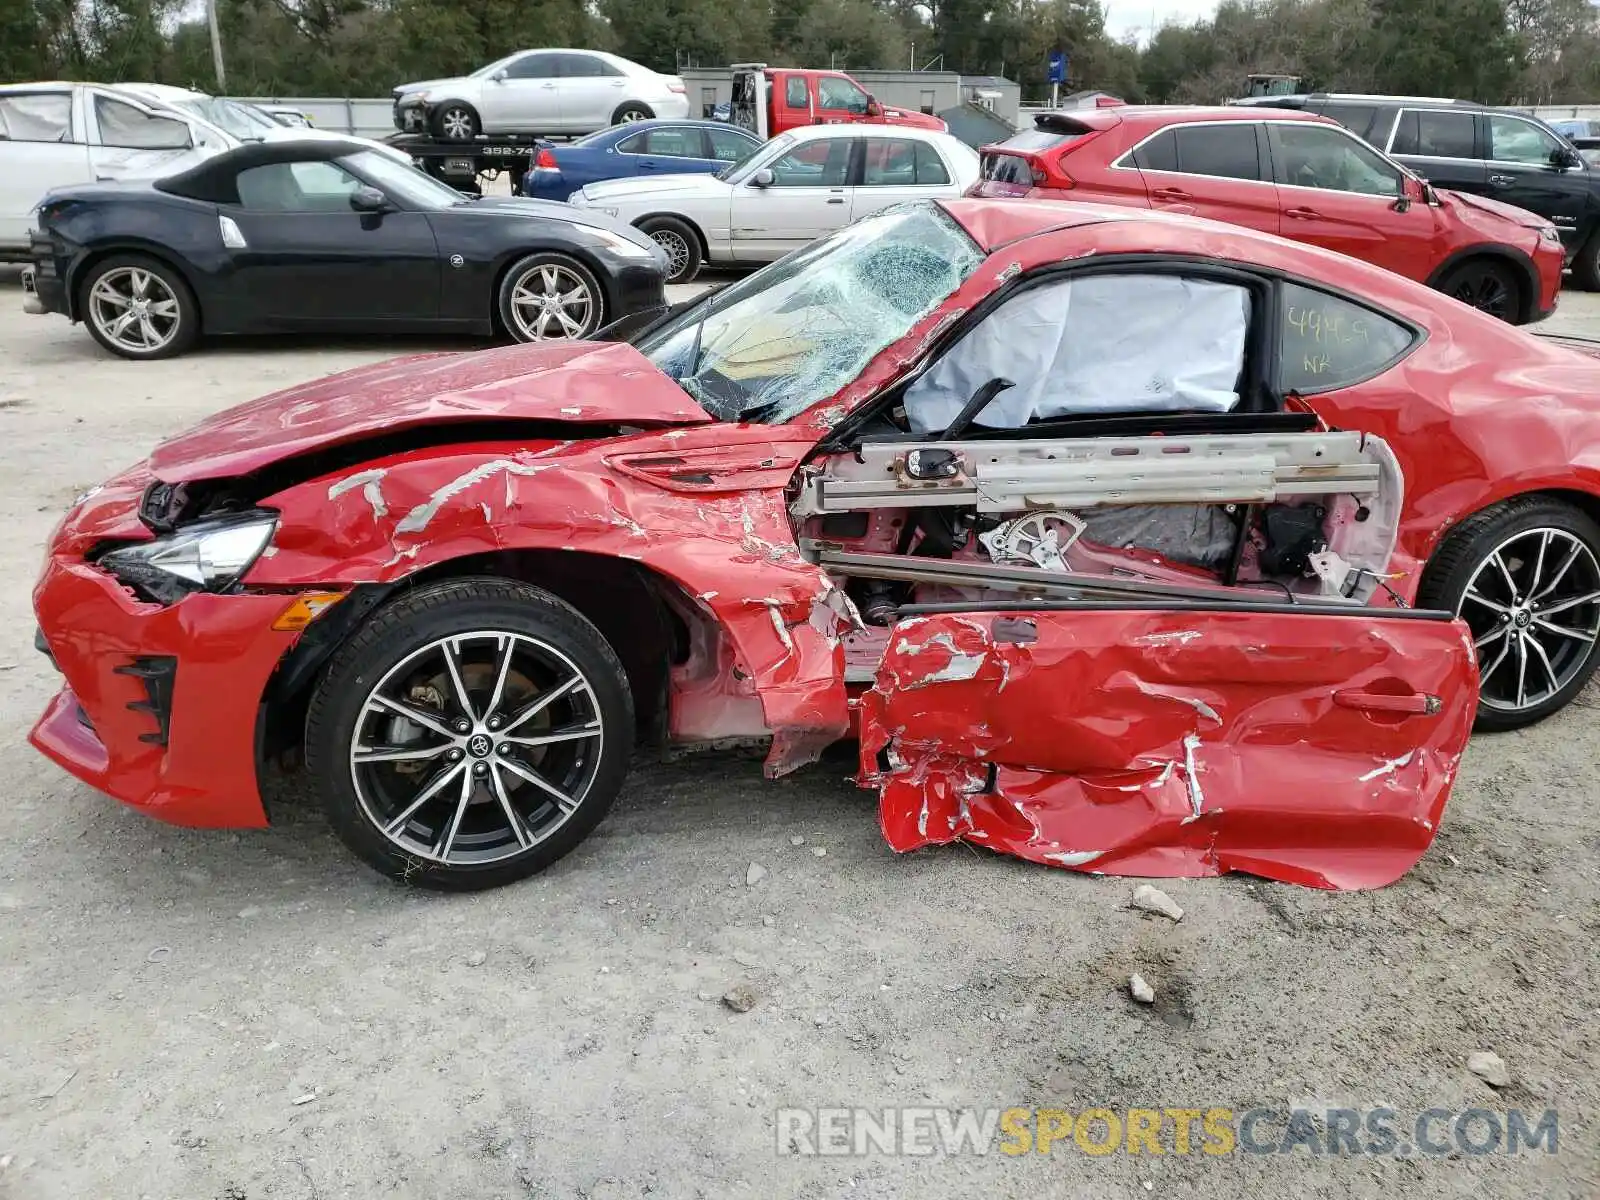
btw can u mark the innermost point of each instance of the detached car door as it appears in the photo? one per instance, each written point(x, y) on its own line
point(1295, 741)
point(129, 140)
point(40, 148)
point(809, 196)
point(304, 257)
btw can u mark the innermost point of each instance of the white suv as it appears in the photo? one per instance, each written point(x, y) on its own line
point(539, 91)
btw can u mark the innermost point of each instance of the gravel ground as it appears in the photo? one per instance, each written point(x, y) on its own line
point(214, 1015)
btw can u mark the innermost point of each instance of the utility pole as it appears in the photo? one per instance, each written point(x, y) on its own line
point(216, 47)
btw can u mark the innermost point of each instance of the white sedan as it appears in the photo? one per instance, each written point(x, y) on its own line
point(788, 192)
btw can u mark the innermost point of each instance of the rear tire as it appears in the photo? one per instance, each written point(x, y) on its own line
point(630, 112)
point(138, 307)
point(456, 122)
point(1586, 264)
point(527, 668)
point(1501, 571)
point(680, 242)
point(1487, 285)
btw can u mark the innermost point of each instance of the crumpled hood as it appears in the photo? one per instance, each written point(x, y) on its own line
point(654, 185)
point(1524, 218)
point(578, 383)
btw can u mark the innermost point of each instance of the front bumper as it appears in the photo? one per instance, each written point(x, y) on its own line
point(637, 288)
point(410, 117)
point(160, 704)
point(43, 288)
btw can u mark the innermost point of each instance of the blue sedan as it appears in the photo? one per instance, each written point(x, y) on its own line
point(637, 148)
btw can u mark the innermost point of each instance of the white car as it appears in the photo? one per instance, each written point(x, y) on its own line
point(58, 134)
point(789, 191)
point(539, 92)
point(244, 122)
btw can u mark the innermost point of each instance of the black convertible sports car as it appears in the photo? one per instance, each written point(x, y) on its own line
point(328, 236)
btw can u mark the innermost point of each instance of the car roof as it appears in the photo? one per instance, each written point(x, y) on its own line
point(213, 180)
point(43, 85)
point(160, 91)
point(1295, 101)
point(1157, 116)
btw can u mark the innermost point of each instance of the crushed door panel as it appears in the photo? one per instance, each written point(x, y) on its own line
point(1295, 742)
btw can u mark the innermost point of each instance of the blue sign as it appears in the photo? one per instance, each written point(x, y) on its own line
point(1058, 67)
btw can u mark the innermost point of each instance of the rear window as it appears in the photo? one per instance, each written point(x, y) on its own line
point(1006, 168)
point(1160, 153)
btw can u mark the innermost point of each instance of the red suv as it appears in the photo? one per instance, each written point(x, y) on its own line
point(1294, 174)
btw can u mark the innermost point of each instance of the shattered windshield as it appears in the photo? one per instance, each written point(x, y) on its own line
point(772, 345)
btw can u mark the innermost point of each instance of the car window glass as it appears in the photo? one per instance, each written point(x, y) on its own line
point(728, 146)
point(823, 163)
point(296, 187)
point(1434, 134)
point(1160, 153)
point(1095, 344)
point(1357, 118)
point(584, 66)
point(673, 143)
point(633, 144)
point(835, 92)
point(1306, 156)
point(124, 126)
point(41, 117)
point(1329, 342)
point(795, 92)
point(1227, 151)
point(1511, 140)
point(534, 66)
point(901, 162)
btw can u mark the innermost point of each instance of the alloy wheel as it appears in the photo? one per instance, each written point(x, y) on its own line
point(476, 747)
point(1533, 605)
point(631, 115)
point(677, 250)
point(552, 302)
point(1485, 291)
point(134, 308)
point(457, 124)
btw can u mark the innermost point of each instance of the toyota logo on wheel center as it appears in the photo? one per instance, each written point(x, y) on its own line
point(479, 745)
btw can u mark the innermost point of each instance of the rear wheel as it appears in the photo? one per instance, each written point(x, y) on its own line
point(1525, 576)
point(630, 112)
point(1487, 286)
point(550, 298)
point(138, 307)
point(680, 243)
point(470, 735)
point(1586, 264)
point(456, 122)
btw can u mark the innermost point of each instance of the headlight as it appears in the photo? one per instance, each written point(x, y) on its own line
point(620, 245)
point(1551, 234)
point(206, 556)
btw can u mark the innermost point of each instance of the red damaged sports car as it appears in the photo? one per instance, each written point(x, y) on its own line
point(1125, 542)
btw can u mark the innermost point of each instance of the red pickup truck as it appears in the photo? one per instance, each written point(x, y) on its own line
point(772, 100)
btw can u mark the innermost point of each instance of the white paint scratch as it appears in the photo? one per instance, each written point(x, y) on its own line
point(1389, 767)
point(417, 519)
point(371, 484)
point(1191, 772)
point(1073, 858)
point(1178, 637)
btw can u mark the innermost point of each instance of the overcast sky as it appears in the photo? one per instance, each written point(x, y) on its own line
point(1142, 16)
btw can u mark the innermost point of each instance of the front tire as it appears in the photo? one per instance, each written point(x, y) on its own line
point(1486, 285)
point(138, 307)
point(1586, 264)
point(681, 244)
point(550, 297)
point(1525, 576)
point(471, 734)
point(456, 122)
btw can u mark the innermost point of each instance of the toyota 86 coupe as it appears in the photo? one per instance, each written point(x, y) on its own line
point(327, 236)
point(1120, 541)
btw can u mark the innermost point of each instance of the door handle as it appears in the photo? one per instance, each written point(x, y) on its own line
point(1420, 704)
point(835, 199)
point(1502, 180)
point(1171, 194)
point(1302, 214)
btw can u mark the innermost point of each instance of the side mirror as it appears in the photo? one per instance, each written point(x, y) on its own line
point(762, 178)
point(1565, 158)
point(370, 200)
point(874, 109)
point(498, 77)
